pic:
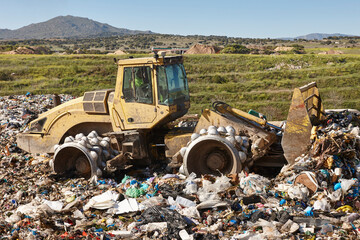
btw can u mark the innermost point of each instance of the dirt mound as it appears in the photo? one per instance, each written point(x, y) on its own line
point(331, 51)
point(9, 52)
point(41, 50)
point(25, 50)
point(283, 49)
point(203, 49)
point(30, 50)
point(118, 52)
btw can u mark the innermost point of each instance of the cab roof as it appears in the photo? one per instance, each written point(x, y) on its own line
point(151, 60)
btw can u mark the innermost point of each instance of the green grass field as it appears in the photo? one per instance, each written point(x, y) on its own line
point(260, 82)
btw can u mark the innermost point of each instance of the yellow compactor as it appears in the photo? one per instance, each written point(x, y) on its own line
point(131, 124)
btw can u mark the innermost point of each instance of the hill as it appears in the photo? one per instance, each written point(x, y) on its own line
point(66, 27)
point(320, 36)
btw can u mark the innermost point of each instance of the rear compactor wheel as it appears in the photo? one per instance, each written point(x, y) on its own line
point(211, 154)
point(74, 159)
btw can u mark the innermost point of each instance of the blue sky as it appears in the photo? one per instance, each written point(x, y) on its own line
point(252, 18)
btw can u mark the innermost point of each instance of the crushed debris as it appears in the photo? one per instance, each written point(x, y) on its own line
point(317, 197)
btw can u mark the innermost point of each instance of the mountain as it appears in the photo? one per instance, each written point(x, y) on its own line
point(66, 27)
point(320, 36)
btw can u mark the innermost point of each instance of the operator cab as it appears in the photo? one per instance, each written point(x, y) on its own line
point(151, 91)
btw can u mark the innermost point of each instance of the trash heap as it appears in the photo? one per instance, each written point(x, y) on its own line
point(325, 181)
point(317, 197)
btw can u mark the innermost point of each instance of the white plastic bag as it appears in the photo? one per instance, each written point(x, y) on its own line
point(29, 209)
point(190, 212)
point(191, 186)
point(154, 226)
point(209, 190)
point(346, 184)
point(54, 205)
point(322, 205)
point(102, 201)
point(269, 230)
point(185, 202)
point(335, 196)
point(254, 184)
point(298, 191)
point(150, 202)
point(126, 205)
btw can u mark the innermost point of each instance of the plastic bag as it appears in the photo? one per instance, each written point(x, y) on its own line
point(150, 202)
point(54, 205)
point(269, 229)
point(254, 184)
point(191, 186)
point(220, 184)
point(298, 191)
point(77, 214)
point(102, 201)
point(154, 226)
point(204, 194)
point(322, 205)
point(211, 204)
point(326, 228)
point(290, 226)
point(209, 190)
point(336, 195)
point(134, 192)
point(190, 212)
point(161, 214)
point(185, 202)
point(126, 205)
point(13, 218)
point(29, 209)
point(346, 184)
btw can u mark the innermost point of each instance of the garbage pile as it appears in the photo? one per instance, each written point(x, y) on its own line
point(317, 197)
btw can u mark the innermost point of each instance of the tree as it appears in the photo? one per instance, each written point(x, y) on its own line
point(298, 49)
point(236, 48)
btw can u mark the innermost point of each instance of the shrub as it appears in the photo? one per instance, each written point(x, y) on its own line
point(236, 48)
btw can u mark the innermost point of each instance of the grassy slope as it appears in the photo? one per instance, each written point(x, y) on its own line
point(243, 81)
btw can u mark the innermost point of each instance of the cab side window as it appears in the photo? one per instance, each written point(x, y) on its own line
point(128, 89)
point(137, 85)
point(163, 94)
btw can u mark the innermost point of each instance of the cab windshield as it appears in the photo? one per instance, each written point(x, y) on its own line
point(172, 84)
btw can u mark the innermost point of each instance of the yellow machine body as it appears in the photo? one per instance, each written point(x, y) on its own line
point(110, 110)
point(149, 93)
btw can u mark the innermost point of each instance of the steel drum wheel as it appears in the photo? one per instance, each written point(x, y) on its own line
point(211, 155)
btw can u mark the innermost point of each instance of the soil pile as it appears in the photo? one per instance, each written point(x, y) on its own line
point(283, 49)
point(30, 50)
point(118, 52)
point(331, 52)
point(203, 49)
